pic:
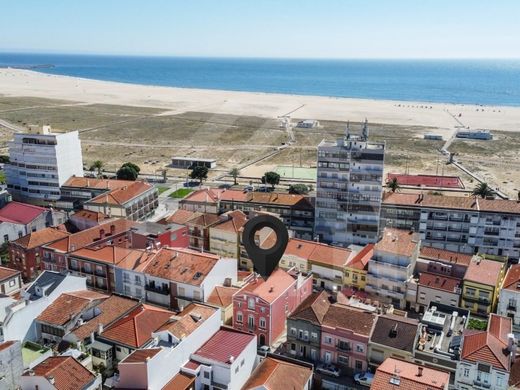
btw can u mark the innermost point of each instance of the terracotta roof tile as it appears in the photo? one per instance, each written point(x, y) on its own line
point(205, 220)
point(88, 182)
point(272, 288)
point(223, 344)
point(89, 215)
point(234, 221)
point(439, 282)
point(222, 296)
point(68, 306)
point(431, 253)
point(274, 374)
point(512, 279)
point(345, 317)
point(67, 372)
point(313, 308)
point(121, 196)
point(7, 273)
point(360, 260)
point(484, 271)
point(20, 213)
point(318, 253)
point(111, 254)
point(6, 344)
point(188, 320)
point(180, 217)
point(181, 381)
point(40, 237)
point(399, 242)
point(141, 355)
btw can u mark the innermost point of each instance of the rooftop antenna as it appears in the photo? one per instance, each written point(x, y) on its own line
point(365, 130)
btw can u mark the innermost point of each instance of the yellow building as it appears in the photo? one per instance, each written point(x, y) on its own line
point(222, 297)
point(481, 286)
point(357, 268)
point(224, 237)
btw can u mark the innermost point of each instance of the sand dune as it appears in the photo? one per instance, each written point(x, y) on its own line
point(16, 82)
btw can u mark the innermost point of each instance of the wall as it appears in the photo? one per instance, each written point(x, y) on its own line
point(11, 366)
point(224, 268)
point(11, 285)
point(463, 382)
point(434, 295)
point(502, 308)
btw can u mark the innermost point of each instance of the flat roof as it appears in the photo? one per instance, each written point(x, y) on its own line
point(194, 159)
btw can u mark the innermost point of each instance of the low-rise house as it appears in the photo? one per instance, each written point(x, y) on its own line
point(481, 286)
point(304, 327)
point(174, 342)
point(443, 262)
point(225, 236)
point(222, 297)
point(297, 254)
point(198, 230)
point(25, 252)
point(509, 299)
point(69, 309)
point(205, 200)
point(177, 276)
point(85, 219)
point(393, 336)
point(54, 256)
point(438, 288)
point(60, 373)
point(10, 281)
point(134, 330)
point(487, 356)
point(278, 372)
point(18, 219)
point(179, 217)
point(152, 234)
point(391, 268)
point(398, 374)
point(225, 361)
point(17, 315)
point(11, 364)
point(262, 306)
point(356, 269)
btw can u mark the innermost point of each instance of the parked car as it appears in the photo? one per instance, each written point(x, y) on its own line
point(264, 349)
point(364, 378)
point(328, 369)
point(249, 188)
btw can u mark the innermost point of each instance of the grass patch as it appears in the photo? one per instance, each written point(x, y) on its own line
point(180, 193)
point(161, 189)
point(475, 324)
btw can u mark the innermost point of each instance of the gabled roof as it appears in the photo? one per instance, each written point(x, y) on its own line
point(318, 253)
point(47, 281)
point(141, 355)
point(111, 254)
point(483, 271)
point(439, 282)
point(274, 374)
point(180, 217)
point(136, 327)
point(407, 374)
point(20, 213)
point(395, 332)
point(398, 241)
point(91, 183)
point(69, 305)
point(67, 372)
point(223, 345)
point(313, 308)
point(234, 221)
point(512, 279)
point(489, 346)
point(111, 309)
point(360, 259)
point(89, 215)
point(349, 318)
point(40, 237)
point(270, 289)
point(7, 273)
point(431, 253)
point(222, 296)
point(120, 196)
point(188, 320)
point(204, 219)
point(181, 381)
point(181, 265)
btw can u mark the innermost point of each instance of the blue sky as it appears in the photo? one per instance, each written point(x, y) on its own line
point(265, 28)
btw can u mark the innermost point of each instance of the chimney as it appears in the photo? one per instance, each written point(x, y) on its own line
point(51, 379)
point(100, 328)
point(231, 358)
point(511, 347)
point(419, 371)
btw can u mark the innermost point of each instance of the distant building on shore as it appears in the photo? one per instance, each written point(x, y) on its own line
point(433, 137)
point(475, 134)
point(308, 124)
point(191, 162)
point(349, 189)
point(41, 162)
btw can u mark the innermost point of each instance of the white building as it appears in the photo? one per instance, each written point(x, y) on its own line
point(41, 162)
point(349, 189)
point(11, 364)
point(509, 298)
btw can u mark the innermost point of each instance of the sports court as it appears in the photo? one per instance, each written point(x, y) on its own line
point(290, 172)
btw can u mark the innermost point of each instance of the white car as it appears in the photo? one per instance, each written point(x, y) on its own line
point(328, 369)
point(364, 378)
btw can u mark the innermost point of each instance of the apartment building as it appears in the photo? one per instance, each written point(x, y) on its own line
point(225, 237)
point(40, 163)
point(349, 189)
point(391, 268)
point(509, 298)
point(457, 223)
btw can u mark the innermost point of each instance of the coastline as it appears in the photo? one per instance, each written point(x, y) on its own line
point(21, 82)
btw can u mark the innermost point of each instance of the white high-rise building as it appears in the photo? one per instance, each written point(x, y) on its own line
point(349, 189)
point(41, 162)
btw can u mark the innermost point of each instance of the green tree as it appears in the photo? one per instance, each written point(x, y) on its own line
point(393, 185)
point(200, 173)
point(126, 173)
point(483, 190)
point(4, 159)
point(98, 166)
point(300, 189)
point(235, 172)
point(132, 165)
point(272, 178)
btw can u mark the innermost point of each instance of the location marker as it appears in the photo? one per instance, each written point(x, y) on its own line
point(265, 260)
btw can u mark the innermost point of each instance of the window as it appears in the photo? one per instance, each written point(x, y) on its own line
point(206, 374)
point(236, 370)
point(196, 295)
point(138, 292)
point(251, 303)
point(359, 365)
point(251, 322)
point(242, 362)
point(262, 309)
point(359, 348)
point(328, 340)
point(293, 331)
point(12, 282)
point(500, 382)
point(293, 347)
point(137, 279)
point(181, 292)
point(6, 238)
point(470, 291)
point(262, 323)
point(239, 317)
point(74, 263)
point(343, 359)
point(314, 336)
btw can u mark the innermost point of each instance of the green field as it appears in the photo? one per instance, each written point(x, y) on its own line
point(180, 193)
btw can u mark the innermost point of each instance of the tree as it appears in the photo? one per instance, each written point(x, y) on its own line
point(272, 178)
point(126, 173)
point(393, 185)
point(300, 189)
point(483, 190)
point(200, 173)
point(4, 159)
point(235, 172)
point(97, 166)
point(132, 165)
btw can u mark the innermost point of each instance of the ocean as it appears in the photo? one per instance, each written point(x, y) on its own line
point(486, 82)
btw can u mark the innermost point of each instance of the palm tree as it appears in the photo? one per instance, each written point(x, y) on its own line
point(483, 190)
point(393, 185)
point(235, 172)
point(98, 165)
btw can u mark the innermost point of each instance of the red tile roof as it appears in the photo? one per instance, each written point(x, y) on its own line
point(7, 273)
point(181, 265)
point(360, 259)
point(6, 344)
point(318, 253)
point(512, 279)
point(204, 220)
point(222, 296)
point(426, 180)
point(121, 196)
point(344, 317)
point(141, 355)
point(89, 215)
point(111, 254)
point(274, 374)
point(431, 253)
point(399, 242)
point(272, 288)
point(40, 237)
point(87, 182)
point(181, 381)
point(224, 344)
point(20, 213)
point(67, 372)
point(180, 217)
point(439, 282)
point(234, 221)
point(313, 308)
point(408, 376)
point(188, 320)
point(136, 327)
point(484, 271)
point(489, 346)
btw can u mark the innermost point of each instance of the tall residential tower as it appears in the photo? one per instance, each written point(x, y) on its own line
point(349, 189)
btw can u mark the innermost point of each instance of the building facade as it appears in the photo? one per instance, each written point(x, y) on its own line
point(509, 298)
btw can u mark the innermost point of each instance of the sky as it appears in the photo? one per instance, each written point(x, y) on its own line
point(265, 28)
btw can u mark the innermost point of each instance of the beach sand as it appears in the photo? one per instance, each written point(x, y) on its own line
point(16, 82)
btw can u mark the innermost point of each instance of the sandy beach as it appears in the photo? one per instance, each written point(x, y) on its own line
point(16, 82)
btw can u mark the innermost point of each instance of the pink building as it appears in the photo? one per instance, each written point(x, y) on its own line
point(345, 332)
point(262, 307)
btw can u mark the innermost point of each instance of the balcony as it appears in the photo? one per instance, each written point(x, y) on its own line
point(511, 308)
point(472, 298)
point(345, 347)
point(157, 290)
